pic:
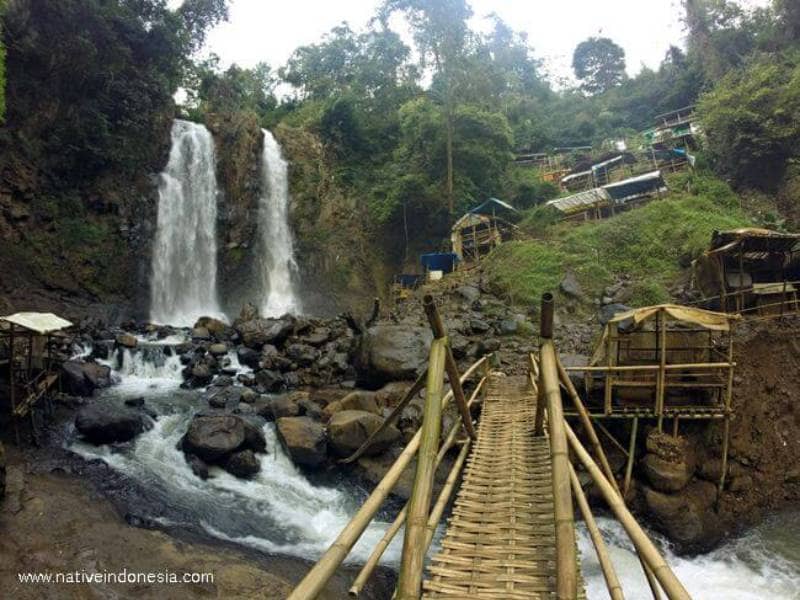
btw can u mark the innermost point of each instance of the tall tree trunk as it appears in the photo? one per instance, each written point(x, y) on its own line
point(449, 119)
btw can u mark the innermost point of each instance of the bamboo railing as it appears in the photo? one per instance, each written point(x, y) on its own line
point(552, 375)
point(417, 515)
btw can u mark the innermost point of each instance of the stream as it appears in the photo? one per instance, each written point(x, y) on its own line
point(282, 511)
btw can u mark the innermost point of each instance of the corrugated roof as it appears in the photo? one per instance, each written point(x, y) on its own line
point(580, 201)
point(752, 239)
point(491, 206)
point(38, 322)
point(576, 176)
point(636, 186)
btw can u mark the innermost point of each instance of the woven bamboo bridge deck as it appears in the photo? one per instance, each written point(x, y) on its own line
point(500, 540)
point(511, 533)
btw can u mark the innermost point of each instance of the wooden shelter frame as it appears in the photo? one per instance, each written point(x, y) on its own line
point(28, 383)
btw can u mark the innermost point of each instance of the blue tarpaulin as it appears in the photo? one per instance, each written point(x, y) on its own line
point(439, 261)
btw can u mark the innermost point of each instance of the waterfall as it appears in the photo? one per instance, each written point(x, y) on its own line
point(276, 252)
point(184, 266)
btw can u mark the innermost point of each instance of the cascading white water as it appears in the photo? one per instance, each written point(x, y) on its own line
point(276, 252)
point(184, 265)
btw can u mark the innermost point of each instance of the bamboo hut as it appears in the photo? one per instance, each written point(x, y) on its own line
point(482, 229)
point(663, 361)
point(750, 271)
point(30, 368)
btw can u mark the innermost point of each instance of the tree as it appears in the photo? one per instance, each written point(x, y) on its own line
point(789, 15)
point(752, 120)
point(599, 64)
point(441, 32)
point(97, 96)
point(2, 76)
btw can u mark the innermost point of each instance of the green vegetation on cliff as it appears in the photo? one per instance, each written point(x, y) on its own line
point(653, 245)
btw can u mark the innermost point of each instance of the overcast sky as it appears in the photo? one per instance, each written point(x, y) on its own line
point(269, 30)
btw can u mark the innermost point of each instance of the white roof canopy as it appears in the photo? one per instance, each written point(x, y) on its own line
point(41, 323)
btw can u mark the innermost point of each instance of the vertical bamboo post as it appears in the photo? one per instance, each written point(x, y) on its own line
point(661, 328)
point(388, 536)
point(12, 392)
point(645, 548)
point(410, 581)
point(612, 331)
point(631, 451)
point(726, 433)
point(609, 574)
point(450, 365)
point(566, 559)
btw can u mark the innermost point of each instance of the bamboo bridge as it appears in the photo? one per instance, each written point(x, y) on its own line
point(511, 533)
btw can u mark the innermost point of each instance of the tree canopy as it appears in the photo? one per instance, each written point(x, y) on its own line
point(599, 64)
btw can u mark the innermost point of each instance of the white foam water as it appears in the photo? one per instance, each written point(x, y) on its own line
point(184, 264)
point(278, 511)
point(763, 563)
point(276, 250)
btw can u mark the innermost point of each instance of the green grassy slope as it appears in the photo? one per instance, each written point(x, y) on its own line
point(652, 244)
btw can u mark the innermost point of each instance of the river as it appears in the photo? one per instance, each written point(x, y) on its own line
point(283, 511)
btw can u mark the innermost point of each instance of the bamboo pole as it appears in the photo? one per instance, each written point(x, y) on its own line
point(662, 362)
point(726, 434)
point(320, 573)
point(586, 421)
point(631, 452)
point(439, 332)
point(644, 546)
point(409, 584)
point(398, 410)
point(380, 547)
point(609, 574)
point(566, 559)
point(444, 496)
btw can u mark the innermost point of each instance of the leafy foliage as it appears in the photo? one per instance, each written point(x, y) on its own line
point(97, 96)
point(752, 120)
point(599, 63)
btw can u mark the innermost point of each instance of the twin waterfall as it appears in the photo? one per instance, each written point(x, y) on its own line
point(184, 276)
point(184, 264)
point(276, 251)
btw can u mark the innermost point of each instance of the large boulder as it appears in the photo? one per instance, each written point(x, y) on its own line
point(211, 438)
point(303, 354)
point(242, 463)
point(257, 332)
point(248, 357)
point(348, 429)
point(102, 423)
point(215, 327)
point(392, 353)
point(127, 340)
point(665, 475)
point(687, 518)
point(355, 400)
point(82, 378)
point(304, 440)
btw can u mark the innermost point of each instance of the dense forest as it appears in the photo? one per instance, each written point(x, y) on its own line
point(409, 138)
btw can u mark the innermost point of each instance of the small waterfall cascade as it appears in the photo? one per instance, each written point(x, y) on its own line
point(276, 251)
point(184, 264)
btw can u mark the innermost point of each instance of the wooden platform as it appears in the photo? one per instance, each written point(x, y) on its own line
point(500, 540)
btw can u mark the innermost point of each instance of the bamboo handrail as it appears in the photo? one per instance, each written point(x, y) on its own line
point(586, 421)
point(315, 580)
point(669, 367)
point(644, 546)
point(609, 574)
point(388, 536)
point(566, 555)
point(409, 583)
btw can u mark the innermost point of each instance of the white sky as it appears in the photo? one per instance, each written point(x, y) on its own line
point(270, 30)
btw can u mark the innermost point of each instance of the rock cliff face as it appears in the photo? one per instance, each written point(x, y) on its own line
point(340, 265)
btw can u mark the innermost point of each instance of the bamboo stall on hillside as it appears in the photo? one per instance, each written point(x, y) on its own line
point(750, 271)
point(482, 229)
